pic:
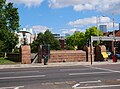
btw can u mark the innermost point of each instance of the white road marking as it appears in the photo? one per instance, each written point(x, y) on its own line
point(87, 73)
point(63, 70)
point(118, 79)
point(18, 77)
point(19, 72)
point(91, 81)
point(103, 86)
point(18, 87)
point(103, 69)
point(76, 85)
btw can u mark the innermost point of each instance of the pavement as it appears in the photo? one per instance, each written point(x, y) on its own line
point(57, 64)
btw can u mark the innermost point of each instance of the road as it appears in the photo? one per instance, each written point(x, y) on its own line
point(70, 77)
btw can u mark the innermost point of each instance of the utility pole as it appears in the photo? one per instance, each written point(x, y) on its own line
point(114, 56)
point(91, 49)
point(113, 32)
point(97, 22)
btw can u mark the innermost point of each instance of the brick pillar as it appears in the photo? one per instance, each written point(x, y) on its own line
point(88, 55)
point(25, 54)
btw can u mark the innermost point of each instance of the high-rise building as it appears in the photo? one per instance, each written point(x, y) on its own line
point(119, 26)
point(103, 28)
point(66, 34)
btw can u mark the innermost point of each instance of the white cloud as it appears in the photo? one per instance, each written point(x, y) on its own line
point(27, 3)
point(110, 25)
point(71, 31)
point(111, 6)
point(37, 29)
point(66, 3)
point(83, 22)
point(93, 21)
point(103, 19)
point(81, 7)
point(89, 21)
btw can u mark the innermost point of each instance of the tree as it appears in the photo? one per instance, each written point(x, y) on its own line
point(93, 31)
point(44, 39)
point(37, 42)
point(80, 39)
point(2, 16)
point(9, 40)
point(9, 23)
point(12, 17)
point(77, 39)
point(50, 39)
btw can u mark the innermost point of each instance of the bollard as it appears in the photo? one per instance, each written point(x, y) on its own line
point(114, 58)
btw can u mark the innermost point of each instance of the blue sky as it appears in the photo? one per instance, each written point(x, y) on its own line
point(67, 16)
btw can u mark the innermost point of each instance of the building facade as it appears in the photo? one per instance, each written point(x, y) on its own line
point(103, 28)
point(110, 44)
point(25, 33)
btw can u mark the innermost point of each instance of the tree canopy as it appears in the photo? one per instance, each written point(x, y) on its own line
point(79, 39)
point(12, 17)
point(45, 38)
point(93, 31)
point(9, 23)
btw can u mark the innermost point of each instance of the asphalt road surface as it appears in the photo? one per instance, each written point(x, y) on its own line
point(72, 77)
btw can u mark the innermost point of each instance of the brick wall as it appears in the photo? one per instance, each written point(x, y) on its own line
point(25, 54)
point(67, 56)
point(88, 54)
point(14, 57)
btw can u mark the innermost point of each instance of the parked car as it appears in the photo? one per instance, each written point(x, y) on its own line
point(110, 55)
point(118, 55)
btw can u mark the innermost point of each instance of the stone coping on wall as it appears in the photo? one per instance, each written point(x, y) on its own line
point(67, 51)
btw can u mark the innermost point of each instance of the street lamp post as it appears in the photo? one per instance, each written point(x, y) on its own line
point(97, 21)
point(114, 49)
point(97, 26)
point(113, 32)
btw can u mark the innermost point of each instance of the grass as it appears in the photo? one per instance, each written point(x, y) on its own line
point(6, 61)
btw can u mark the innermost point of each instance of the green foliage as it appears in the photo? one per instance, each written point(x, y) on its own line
point(9, 18)
point(69, 47)
point(2, 15)
point(9, 40)
point(1, 45)
point(12, 17)
point(46, 38)
point(93, 31)
point(9, 23)
point(5, 61)
point(16, 50)
point(77, 39)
